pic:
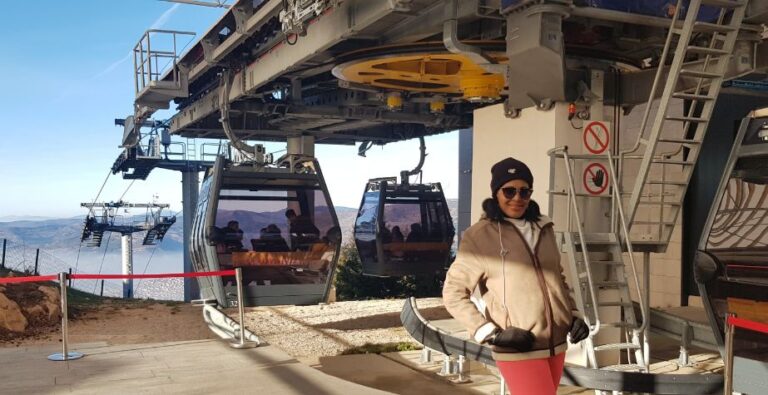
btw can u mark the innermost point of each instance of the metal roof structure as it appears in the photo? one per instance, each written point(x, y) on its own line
point(282, 63)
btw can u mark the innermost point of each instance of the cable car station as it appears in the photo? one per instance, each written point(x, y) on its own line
point(640, 118)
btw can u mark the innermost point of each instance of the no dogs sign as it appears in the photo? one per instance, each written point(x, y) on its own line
point(595, 178)
point(596, 137)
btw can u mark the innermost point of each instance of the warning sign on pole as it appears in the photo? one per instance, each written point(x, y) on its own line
point(596, 137)
point(595, 178)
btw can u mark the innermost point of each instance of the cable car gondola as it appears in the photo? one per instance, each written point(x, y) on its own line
point(731, 266)
point(277, 223)
point(403, 228)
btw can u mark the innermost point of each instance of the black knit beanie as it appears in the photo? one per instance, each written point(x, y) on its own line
point(507, 170)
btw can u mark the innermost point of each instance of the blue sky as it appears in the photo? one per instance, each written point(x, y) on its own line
point(66, 75)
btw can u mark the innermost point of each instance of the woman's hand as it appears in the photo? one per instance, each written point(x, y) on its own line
point(579, 330)
point(513, 337)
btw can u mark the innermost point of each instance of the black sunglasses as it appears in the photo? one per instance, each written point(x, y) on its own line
point(510, 192)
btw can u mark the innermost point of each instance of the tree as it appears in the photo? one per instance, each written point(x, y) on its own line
point(352, 284)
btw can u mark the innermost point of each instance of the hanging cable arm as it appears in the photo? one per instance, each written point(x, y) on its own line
point(422, 155)
point(238, 144)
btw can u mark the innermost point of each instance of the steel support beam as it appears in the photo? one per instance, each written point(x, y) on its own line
point(189, 186)
point(749, 57)
point(329, 29)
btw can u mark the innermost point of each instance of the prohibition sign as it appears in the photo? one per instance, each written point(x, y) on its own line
point(596, 137)
point(595, 178)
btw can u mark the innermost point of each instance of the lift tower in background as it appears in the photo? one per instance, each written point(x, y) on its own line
point(103, 217)
point(143, 152)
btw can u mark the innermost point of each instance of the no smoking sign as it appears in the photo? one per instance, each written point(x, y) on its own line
point(596, 137)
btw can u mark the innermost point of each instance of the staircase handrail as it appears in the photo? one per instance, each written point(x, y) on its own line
point(595, 328)
point(654, 88)
point(616, 192)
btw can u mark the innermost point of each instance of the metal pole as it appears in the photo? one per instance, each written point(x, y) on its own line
point(102, 288)
point(728, 359)
point(426, 356)
point(647, 297)
point(37, 259)
point(241, 310)
point(65, 355)
point(127, 249)
point(2, 262)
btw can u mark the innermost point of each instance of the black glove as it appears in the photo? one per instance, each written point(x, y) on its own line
point(513, 337)
point(579, 330)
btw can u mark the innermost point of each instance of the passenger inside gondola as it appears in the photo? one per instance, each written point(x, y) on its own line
point(233, 237)
point(397, 235)
point(333, 236)
point(303, 231)
point(416, 235)
point(270, 240)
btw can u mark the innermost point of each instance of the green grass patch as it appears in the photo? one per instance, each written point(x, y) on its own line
point(369, 348)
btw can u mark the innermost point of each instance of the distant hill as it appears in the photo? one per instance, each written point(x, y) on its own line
point(12, 218)
point(62, 236)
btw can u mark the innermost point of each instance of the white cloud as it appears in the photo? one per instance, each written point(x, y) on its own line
point(157, 24)
point(113, 66)
point(161, 21)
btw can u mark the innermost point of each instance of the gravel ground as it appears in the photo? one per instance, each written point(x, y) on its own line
point(330, 329)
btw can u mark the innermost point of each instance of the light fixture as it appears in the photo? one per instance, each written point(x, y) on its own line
point(763, 133)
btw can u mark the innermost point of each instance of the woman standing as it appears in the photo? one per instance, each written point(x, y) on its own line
point(510, 256)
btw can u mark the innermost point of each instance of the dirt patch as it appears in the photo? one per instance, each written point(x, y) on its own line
point(39, 304)
point(301, 331)
point(114, 321)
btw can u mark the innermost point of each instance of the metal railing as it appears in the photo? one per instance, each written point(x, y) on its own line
point(618, 220)
point(573, 208)
point(622, 219)
point(151, 64)
point(31, 260)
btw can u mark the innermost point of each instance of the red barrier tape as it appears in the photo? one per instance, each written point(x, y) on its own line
point(30, 279)
point(747, 324)
point(159, 275)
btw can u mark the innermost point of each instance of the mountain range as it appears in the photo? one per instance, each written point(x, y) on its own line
point(61, 236)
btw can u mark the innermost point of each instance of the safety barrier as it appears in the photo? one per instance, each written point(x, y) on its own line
point(24, 258)
point(731, 323)
point(63, 279)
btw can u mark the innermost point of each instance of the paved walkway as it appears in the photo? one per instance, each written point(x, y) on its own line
point(193, 367)
point(212, 367)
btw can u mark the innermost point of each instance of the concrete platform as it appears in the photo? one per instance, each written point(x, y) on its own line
point(211, 366)
point(192, 367)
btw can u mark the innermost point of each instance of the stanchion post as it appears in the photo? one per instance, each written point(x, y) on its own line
point(2, 262)
point(37, 259)
point(65, 355)
point(728, 358)
point(241, 343)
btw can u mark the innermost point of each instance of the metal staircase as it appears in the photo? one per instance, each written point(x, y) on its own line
point(97, 237)
point(601, 285)
point(668, 160)
point(158, 231)
point(192, 149)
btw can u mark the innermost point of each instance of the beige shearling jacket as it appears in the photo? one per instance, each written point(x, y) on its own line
point(528, 291)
